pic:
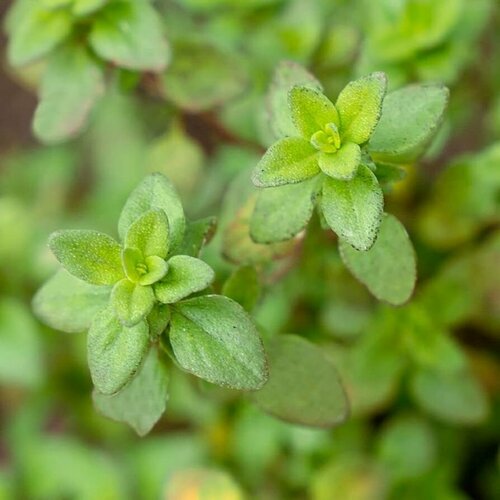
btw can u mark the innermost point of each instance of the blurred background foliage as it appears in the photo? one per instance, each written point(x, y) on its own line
point(423, 379)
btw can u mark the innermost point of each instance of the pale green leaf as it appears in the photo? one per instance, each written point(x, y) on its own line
point(388, 268)
point(214, 338)
point(37, 33)
point(304, 386)
point(287, 75)
point(359, 106)
point(88, 255)
point(243, 286)
point(406, 447)
point(343, 164)
point(154, 192)
point(410, 119)
point(282, 212)
point(129, 34)
point(157, 268)
point(149, 234)
point(72, 83)
point(115, 352)
point(21, 349)
point(69, 304)
point(131, 302)
point(353, 209)
point(220, 75)
point(86, 7)
point(185, 275)
point(453, 397)
point(143, 400)
point(311, 110)
point(288, 161)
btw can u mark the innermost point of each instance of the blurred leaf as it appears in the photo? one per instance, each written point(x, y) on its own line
point(71, 85)
point(62, 467)
point(215, 339)
point(115, 352)
point(205, 484)
point(239, 248)
point(179, 157)
point(453, 397)
point(86, 7)
point(353, 478)
point(428, 345)
point(388, 268)
point(21, 360)
point(243, 286)
point(36, 33)
point(353, 209)
point(129, 34)
point(69, 304)
point(143, 400)
point(218, 75)
point(303, 387)
point(410, 118)
point(406, 447)
point(154, 460)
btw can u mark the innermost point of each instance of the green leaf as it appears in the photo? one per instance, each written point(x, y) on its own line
point(243, 286)
point(149, 234)
point(410, 119)
point(21, 349)
point(115, 351)
point(157, 269)
point(303, 387)
point(343, 164)
point(282, 212)
point(71, 85)
point(406, 447)
point(69, 304)
point(453, 397)
point(198, 234)
point(128, 33)
point(220, 75)
point(131, 302)
point(88, 255)
point(311, 110)
point(287, 161)
point(154, 192)
point(158, 320)
point(186, 275)
point(143, 400)
point(37, 33)
point(353, 209)
point(388, 268)
point(359, 106)
point(214, 338)
point(86, 7)
point(287, 75)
